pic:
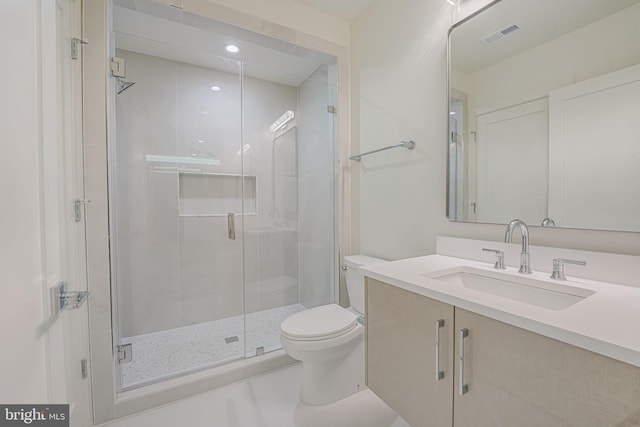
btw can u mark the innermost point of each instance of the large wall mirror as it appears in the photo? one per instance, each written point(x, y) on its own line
point(544, 114)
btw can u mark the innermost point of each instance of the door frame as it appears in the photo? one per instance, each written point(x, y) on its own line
point(62, 183)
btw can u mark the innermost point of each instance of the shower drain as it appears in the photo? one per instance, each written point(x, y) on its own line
point(229, 340)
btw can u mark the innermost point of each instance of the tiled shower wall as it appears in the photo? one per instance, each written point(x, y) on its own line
point(177, 270)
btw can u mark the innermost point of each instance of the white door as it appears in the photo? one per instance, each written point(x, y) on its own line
point(512, 163)
point(594, 148)
point(63, 232)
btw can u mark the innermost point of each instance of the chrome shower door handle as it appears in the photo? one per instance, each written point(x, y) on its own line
point(231, 225)
point(439, 373)
point(462, 387)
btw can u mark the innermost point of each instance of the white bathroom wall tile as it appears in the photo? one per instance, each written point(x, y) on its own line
point(273, 282)
point(209, 122)
point(148, 258)
point(209, 283)
point(263, 103)
point(145, 113)
point(123, 271)
point(316, 123)
point(155, 284)
point(316, 237)
point(315, 191)
point(210, 270)
point(251, 241)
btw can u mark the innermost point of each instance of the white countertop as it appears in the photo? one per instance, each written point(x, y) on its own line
point(607, 322)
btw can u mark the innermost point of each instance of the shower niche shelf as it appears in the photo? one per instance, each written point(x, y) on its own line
point(216, 195)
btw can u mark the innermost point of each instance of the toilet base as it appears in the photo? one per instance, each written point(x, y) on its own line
point(326, 381)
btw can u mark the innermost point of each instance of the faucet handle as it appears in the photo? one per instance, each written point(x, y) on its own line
point(499, 265)
point(558, 267)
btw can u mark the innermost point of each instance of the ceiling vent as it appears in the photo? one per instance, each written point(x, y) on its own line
point(506, 31)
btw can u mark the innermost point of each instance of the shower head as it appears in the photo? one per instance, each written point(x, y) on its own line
point(123, 85)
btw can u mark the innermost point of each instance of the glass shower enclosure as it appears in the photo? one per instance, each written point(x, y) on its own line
point(221, 190)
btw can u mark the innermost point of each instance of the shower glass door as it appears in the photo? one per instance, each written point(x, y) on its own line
point(177, 207)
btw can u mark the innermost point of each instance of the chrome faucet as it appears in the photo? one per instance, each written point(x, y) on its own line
point(525, 267)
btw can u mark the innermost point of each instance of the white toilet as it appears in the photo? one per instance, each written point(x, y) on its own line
point(329, 341)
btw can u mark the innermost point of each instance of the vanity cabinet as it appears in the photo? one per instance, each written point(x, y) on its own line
point(520, 378)
point(401, 353)
point(513, 377)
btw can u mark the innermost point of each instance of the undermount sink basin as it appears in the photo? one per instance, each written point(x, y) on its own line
point(550, 295)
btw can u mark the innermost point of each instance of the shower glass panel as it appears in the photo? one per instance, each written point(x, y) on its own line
point(289, 243)
point(221, 190)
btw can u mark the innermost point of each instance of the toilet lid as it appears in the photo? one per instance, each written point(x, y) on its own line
point(320, 322)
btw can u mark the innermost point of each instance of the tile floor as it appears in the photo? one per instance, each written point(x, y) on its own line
point(168, 353)
point(270, 400)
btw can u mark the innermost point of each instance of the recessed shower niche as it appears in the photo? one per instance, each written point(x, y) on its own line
point(216, 195)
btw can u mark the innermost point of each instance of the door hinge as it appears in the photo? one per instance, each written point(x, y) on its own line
point(83, 369)
point(74, 46)
point(475, 135)
point(124, 353)
point(331, 109)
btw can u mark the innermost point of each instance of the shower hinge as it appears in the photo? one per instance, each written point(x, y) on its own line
point(125, 353)
point(74, 46)
point(83, 369)
point(331, 109)
point(117, 67)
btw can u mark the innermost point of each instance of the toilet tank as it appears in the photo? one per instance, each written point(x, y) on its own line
point(355, 280)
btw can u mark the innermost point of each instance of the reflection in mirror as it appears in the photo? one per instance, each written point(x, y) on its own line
point(544, 114)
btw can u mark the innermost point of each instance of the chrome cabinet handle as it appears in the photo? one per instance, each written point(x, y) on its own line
point(439, 373)
point(231, 225)
point(463, 388)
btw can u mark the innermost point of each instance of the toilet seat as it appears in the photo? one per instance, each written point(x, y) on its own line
point(320, 323)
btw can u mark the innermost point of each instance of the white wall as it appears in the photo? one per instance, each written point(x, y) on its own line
point(547, 67)
point(22, 362)
point(398, 60)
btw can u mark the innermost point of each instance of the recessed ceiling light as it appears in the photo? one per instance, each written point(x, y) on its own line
point(215, 88)
point(453, 113)
point(232, 48)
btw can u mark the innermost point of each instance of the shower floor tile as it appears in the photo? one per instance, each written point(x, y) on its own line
point(172, 352)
